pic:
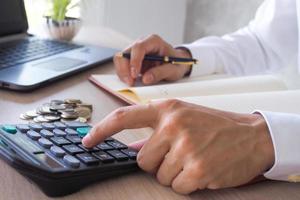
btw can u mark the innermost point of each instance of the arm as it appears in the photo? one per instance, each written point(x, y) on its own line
point(268, 43)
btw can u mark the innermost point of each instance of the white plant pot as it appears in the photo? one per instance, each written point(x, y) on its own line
point(62, 30)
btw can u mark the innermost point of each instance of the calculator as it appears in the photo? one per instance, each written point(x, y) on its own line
point(52, 156)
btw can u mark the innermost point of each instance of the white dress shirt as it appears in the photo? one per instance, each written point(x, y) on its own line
point(269, 43)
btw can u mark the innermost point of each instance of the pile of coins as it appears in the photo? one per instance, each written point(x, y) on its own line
point(60, 110)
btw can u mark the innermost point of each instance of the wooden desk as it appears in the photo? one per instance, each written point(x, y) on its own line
point(133, 186)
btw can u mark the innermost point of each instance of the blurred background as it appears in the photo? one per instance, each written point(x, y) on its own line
point(178, 21)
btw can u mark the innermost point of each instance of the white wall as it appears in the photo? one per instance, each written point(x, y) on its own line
point(137, 18)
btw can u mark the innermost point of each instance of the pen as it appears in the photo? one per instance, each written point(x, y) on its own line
point(164, 59)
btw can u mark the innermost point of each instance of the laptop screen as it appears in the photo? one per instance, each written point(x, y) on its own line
point(12, 17)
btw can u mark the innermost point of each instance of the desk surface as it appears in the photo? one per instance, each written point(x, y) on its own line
point(132, 186)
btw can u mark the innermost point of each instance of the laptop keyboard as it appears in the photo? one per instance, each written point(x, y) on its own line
point(25, 50)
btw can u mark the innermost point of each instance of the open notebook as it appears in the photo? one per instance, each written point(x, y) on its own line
point(189, 87)
point(276, 101)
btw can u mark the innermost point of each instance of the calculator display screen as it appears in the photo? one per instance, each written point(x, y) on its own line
point(48, 160)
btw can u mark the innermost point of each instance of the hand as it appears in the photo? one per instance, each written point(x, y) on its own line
point(194, 147)
point(152, 72)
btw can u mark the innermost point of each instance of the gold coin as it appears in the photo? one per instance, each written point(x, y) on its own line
point(81, 119)
point(90, 106)
point(72, 101)
point(83, 112)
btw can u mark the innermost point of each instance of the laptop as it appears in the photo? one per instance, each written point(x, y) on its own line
point(28, 62)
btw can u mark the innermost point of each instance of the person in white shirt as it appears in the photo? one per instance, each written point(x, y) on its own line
point(195, 147)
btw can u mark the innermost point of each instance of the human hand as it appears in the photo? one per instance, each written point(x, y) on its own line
point(152, 72)
point(194, 147)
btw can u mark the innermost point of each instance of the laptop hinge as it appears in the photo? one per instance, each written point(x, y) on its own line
point(14, 37)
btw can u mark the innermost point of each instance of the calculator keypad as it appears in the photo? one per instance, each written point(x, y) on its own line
point(63, 142)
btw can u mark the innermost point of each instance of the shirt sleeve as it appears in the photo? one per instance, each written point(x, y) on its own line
point(268, 43)
point(285, 133)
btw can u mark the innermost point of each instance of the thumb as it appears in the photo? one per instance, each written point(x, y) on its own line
point(156, 74)
point(138, 144)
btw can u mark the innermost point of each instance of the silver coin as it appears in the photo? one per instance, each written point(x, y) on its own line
point(52, 117)
point(45, 110)
point(40, 119)
point(31, 113)
point(25, 117)
point(56, 102)
point(56, 107)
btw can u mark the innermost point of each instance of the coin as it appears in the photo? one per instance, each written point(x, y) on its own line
point(25, 117)
point(31, 113)
point(52, 117)
point(83, 112)
point(81, 119)
point(55, 101)
point(72, 101)
point(40, 119)
point(60, 110)
point(56, 107)
point(90, 106)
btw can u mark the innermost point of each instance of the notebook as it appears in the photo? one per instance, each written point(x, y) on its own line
point(188, 87)
point(276, 101)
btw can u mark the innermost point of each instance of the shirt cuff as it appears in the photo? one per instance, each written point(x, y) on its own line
point(202, 51)
point(285, 133)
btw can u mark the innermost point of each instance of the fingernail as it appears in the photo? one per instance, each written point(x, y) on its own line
point(133, 72)
point(149, 78)
point(87, 140)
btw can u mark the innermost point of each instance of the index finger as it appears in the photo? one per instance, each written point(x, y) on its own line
point(123, 118)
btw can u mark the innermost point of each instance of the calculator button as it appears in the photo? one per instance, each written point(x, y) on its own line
point(45, 143)
point(118, 155)
point(59, 133)
point(23, 128)
point(83, 131)
point(48, 126)
point(33, 135)
point(71, 161)
point(104, 147)
point(10, 129)
point(94, 149)
point(70, 131)
point(117, 145)
point(76, 124)
point(59, 125)
point(60, 141)
point(129, 152)
point(72, 149)
point(47, 134)
point(87, 158)
point(104, 157)
point(57, 151)
point(35, 127)
point(74, 139)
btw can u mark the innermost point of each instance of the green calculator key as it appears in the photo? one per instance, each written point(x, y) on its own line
point(83, 131)
point(9, 129)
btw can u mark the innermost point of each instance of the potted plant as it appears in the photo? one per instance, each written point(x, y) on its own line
point(59, 25)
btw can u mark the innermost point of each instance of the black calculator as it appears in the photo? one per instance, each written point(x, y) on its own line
point(52, 156)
